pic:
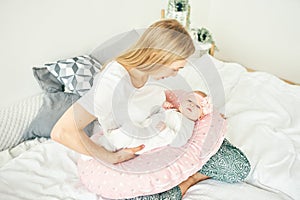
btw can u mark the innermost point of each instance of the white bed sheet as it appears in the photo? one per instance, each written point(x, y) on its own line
point(43, 169)
point(266, 129)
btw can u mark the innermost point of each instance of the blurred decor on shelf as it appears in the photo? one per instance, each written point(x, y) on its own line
point(179, 10)
point(202, 35)
point(205, 40)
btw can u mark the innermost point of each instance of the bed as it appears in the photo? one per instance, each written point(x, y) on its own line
point(263, 121)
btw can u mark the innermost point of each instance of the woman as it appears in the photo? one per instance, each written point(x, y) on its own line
point(160, 53)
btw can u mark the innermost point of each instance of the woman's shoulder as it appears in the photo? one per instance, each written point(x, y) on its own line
point(113, 71)
point(114, 67)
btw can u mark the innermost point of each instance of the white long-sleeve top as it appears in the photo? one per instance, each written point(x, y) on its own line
point(114, 100)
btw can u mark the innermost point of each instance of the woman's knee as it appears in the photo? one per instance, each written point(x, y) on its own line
point(240, 167)
point(229, 164)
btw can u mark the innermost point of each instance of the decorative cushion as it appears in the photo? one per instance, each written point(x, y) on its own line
point(47, 81)
point(76, 74)
point(53, 107)
point(114, 46)
point(16, 118)
point(55, 101)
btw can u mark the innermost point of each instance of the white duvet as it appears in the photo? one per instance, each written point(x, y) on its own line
point(264, 122)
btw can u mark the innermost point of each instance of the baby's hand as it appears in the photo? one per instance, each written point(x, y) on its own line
point(167, 105)
point(161, 126)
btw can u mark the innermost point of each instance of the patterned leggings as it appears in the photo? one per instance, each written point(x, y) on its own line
point(229, 165)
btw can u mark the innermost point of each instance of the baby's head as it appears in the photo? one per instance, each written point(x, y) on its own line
point(193, 105)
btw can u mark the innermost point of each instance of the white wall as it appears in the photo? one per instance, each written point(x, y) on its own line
point(33, 32)
point(260, 34)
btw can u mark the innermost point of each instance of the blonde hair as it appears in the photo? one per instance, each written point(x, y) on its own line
point(161, 44)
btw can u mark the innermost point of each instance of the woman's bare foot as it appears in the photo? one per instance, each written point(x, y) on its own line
point(192, 180)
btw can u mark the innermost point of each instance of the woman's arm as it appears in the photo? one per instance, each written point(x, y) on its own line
point(69, 132)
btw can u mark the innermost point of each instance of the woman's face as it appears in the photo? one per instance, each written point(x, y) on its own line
point(170, 70)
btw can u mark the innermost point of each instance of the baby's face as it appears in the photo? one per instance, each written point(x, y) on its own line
point(190, 107)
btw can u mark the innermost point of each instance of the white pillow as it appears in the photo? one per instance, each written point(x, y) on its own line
point(16, 118)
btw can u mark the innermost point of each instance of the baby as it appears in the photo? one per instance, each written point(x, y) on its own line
point(171, 124)
point(188, 105)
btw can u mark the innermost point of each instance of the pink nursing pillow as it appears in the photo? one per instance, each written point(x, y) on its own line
point(157, 170)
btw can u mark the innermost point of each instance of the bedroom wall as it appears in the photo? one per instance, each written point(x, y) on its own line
point(33, 32)
point(259, 34)
point(262, 35)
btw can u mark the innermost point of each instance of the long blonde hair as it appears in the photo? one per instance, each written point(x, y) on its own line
point(161, 44)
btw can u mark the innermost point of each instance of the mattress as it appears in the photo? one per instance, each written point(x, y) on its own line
point(263, 121)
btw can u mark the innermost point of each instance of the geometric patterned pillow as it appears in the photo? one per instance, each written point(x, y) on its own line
point(76, 74)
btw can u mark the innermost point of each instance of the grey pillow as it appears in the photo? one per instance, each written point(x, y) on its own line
point(114, 46)
point(53, 107)
point(54, 103)
point(46, 80)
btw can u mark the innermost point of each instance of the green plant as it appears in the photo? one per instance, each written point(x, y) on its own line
point(203, 35)
point(179, 10)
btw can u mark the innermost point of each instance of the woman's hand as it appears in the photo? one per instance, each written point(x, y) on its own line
point(126, 154)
